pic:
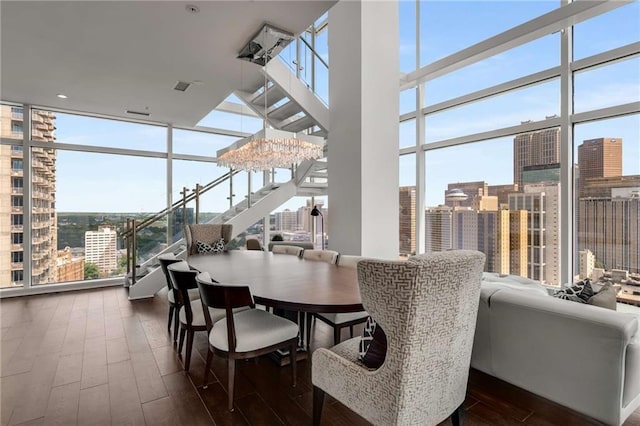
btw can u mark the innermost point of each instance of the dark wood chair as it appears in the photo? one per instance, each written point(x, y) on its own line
point(191, 316)
point(241, 335)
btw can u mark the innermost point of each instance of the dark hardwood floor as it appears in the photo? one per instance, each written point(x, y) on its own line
point(94, 357)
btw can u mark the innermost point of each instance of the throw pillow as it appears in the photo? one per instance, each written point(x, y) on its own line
point(579, 292)
point(216, 247)
point(373, 345)
point(605, 298)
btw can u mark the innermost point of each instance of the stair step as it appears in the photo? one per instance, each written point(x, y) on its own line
point(274, 95)
point(299, 124)
point(287, 110)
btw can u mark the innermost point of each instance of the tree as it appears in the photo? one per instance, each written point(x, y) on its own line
point(91, 271)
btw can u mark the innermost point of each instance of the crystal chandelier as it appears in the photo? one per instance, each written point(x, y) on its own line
point(268, 148)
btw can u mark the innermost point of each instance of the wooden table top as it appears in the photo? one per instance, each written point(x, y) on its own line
point(286, 281)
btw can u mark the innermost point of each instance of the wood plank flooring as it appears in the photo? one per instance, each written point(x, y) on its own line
point(94, 357)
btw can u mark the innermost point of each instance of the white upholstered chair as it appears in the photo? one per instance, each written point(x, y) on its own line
point(207, 233)
point(427, 307)
point(338, 321)
point(246, 334)
point(284, 249)
point(328, 256)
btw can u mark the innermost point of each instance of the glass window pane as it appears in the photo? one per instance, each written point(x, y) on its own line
point(407, 207)
point(408, 133)
point(407, 15)
point(509, 109)
point(408, 100)
point(607, 154)
point(89, 197)
point(535, 56)
point(84, 130)
point(474, 203)
point(616, 28)
point(449, 26)
point(609, 85)
point(11, 122)
point(11, 215)
point(199, 143)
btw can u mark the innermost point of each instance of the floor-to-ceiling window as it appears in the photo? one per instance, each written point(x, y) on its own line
point(507, 119)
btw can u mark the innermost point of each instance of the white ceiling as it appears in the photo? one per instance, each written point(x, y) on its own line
point(110, 56)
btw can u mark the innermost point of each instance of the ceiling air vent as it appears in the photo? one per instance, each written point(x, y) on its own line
point(182, 86)
point(145, 114)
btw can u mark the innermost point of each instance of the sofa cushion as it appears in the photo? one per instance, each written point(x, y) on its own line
point(492, 282)
point(579, 292)
point(605, 298)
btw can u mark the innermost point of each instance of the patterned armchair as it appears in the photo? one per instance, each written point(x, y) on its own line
point(427, 308)
point(208, 233)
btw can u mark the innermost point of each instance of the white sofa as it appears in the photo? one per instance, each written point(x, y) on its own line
point(584, 357)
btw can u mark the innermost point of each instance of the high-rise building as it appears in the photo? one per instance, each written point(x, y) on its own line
point(603, 187)
point(407, 215)
point(518, 241)
point(543, 173)
point(599, 158)
point(587, 263)
point(465, 229)
point(100, 249)
point(610, 228)
point(12, 184)
point(542, 204)
point(470, 189)
point(286, 220)
point(438, 228)
point(493, 239)
point(535, 149)
point(502, 192)
point(485, 203)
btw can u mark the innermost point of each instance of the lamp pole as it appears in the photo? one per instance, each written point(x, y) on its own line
point(315, 213)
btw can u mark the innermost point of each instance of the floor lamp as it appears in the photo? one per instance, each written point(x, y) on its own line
point(315, 212)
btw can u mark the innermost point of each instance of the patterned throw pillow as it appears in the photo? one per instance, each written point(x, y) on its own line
point(373, 345)
point(579, 292)
point(217, 247)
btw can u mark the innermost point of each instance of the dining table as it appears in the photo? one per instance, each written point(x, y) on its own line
point(292, 286)
point(285, 281)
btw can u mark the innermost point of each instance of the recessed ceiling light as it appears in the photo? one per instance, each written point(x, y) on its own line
point(192, 8)
point(61, 96)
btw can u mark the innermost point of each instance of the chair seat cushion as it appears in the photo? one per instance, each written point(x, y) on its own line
point(194, 294)
point(198, 314)
point(255, 329)
point(345, 317)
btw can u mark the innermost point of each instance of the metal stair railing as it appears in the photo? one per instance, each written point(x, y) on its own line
point(133, 227)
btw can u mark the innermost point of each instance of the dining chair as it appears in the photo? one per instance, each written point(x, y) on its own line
point(426, 307)
point(191, 315)
point(328, 256)
point(245, 334)
point(254, 244)
point(338, 321)
point(174, 305)
point(208, 234)
point(284, 249)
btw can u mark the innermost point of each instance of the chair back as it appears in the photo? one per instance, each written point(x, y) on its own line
point(254, 244)
point(284, 249)
point(183, 279)
point(166, 260)
point(349, 261)
point(207, 233)
point(328, 256)
point(427, 307)
point(222, 296)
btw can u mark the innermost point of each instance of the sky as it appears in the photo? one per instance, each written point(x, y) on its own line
point(116, 183)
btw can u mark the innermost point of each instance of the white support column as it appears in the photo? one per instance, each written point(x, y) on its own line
point(363, 140)
point(27, 199)
point(170, 216)
point(420, 154)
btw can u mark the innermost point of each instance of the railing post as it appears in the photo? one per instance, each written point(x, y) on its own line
point(231, 194)
point(184, 204)
point(134, 243)
point(249, 189)
point(128, 238)
point(197, 191)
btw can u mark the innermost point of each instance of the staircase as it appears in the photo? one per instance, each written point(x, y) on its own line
point(290, 106)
